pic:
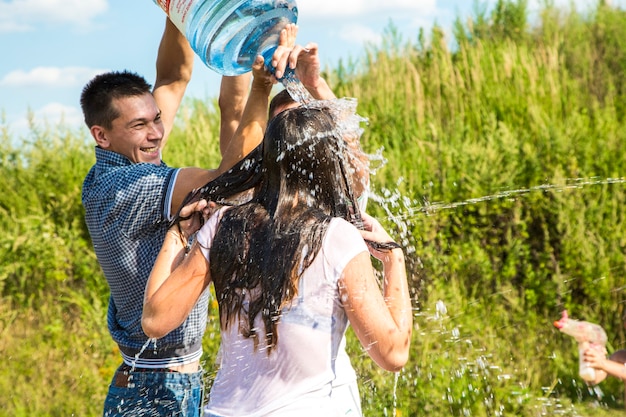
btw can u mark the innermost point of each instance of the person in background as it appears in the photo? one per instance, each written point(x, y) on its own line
point(614, 365)
point(129, 197)
point(290, 270)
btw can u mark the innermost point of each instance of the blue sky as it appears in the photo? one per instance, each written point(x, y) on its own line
point(51, 48)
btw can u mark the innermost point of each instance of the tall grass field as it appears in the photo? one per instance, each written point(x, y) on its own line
point(498, 157)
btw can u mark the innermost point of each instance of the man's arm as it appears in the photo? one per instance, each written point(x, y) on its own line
point(249, 132)
point(248, 136)
point(232, 102)
point(173, 71)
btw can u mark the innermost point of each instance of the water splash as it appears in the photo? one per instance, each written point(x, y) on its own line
point(475, 379)
point(474, 385)
point(143, 348)
point(296, 89)
point(570, 184)
point(396, 378)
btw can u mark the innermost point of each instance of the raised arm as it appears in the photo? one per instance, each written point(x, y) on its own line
point(174, 65)
point(305, 59)
point(249, 133)
point(232, 102)
point(382, 322)
point(248, 136)
point(177, 281)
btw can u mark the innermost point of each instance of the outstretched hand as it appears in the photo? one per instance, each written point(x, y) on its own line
point(595, 356)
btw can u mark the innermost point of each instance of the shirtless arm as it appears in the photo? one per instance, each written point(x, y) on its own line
point(249, 132)
point(232, 102)
point(173, 71)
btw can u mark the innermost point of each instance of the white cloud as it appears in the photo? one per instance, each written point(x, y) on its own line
point(17, 15)
point(11, 27)
point(52, 114)
point(362, 21)
point(50, 77)
point(335, 9)
point(360, 34)
point(57, 112)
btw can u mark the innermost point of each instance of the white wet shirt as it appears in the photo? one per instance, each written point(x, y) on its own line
point(295, 379)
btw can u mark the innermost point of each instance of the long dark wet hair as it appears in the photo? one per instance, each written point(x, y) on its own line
point(261, 248)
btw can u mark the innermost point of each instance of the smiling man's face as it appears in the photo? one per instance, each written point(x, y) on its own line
point(137, 132)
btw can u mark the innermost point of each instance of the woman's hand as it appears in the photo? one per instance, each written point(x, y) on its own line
point(378, 240)
point(192, 217)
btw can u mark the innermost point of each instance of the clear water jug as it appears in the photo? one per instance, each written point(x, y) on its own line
point(228, 34)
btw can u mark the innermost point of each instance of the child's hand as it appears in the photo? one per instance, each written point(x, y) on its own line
point(595, 356)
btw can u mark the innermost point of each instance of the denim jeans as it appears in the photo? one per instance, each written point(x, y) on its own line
point(157, 394)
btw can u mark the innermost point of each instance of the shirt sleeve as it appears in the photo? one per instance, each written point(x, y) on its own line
point(143, 196)
point(342, 243)
point(205, 235)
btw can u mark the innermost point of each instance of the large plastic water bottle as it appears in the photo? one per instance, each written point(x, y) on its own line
point(228, 34)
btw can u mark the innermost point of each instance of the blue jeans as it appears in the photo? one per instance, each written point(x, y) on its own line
point(155, 394)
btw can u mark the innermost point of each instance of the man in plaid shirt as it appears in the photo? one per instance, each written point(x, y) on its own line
point(130, 195)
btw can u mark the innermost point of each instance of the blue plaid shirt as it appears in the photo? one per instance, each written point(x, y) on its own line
point(127, 211)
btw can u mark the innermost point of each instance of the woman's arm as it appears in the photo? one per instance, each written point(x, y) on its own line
point(177, 281)
point(382, 322)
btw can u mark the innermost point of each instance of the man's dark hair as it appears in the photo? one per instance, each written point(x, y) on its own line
point(96, 99)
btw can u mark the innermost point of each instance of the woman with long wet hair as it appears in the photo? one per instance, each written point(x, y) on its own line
point(290, 268)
